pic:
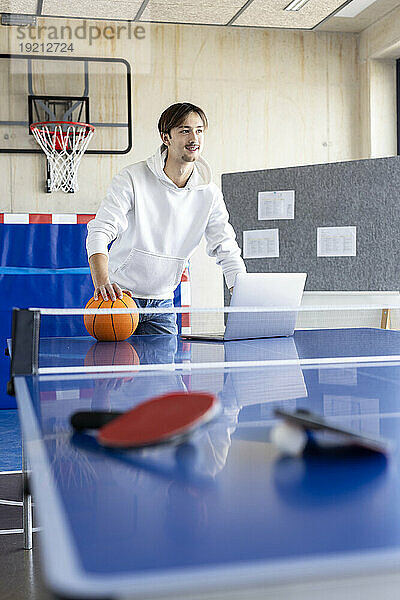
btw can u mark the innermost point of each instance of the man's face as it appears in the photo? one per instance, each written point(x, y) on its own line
point(185, 143)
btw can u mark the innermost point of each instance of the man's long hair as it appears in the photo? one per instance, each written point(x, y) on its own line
point(174, 115)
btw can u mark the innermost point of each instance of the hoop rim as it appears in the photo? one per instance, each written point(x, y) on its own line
point(36, 125)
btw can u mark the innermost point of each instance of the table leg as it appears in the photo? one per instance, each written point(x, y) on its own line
point(26, 503)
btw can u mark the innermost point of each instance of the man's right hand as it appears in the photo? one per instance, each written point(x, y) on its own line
point(102, 286)
point(110, 289)
point(107, 290)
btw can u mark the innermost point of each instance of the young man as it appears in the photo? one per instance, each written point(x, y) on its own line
point(156, 213)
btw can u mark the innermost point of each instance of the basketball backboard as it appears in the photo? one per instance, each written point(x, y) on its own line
point(53, 88)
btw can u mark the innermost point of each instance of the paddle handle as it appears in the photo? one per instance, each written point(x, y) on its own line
point(93, 419)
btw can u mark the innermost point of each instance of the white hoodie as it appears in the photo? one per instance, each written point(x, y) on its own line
point(157, 226)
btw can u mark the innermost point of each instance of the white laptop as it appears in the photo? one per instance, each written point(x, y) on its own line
point(269, 290)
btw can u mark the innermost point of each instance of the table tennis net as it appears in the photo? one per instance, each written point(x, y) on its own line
point(259, 337)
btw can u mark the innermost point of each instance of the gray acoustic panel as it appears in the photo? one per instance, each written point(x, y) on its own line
point(361, 193)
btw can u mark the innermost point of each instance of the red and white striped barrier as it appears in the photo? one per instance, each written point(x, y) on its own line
point(45, 218)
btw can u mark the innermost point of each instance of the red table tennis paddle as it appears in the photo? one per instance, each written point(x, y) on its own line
point(162, 419)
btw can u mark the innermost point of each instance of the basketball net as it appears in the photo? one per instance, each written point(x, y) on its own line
point(64, 144)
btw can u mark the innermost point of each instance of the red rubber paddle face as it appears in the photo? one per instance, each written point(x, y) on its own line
point(159, 420)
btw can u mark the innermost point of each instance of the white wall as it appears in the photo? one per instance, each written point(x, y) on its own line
point(379, 47)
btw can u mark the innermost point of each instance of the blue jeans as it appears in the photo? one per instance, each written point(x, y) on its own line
point(158, 322)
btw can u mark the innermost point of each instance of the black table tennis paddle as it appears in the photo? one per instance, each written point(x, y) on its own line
point(310, 422)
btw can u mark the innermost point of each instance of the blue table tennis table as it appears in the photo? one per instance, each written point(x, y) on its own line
point(224, 512)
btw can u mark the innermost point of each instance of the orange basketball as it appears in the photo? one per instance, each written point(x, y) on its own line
point(111, 328)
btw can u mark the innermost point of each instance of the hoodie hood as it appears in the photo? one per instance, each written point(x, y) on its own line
point(199, 179)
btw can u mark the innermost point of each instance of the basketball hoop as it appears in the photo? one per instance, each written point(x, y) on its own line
point(64, 143)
